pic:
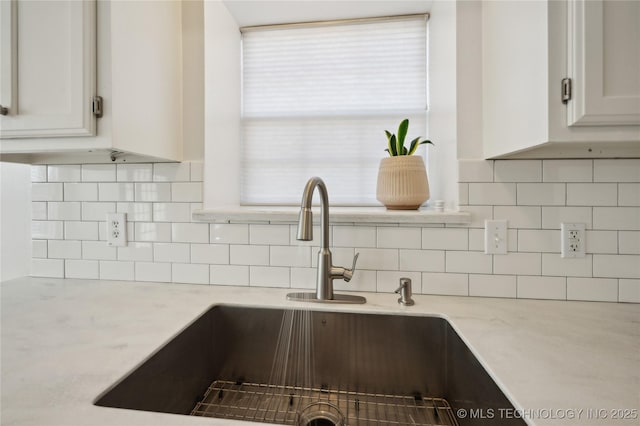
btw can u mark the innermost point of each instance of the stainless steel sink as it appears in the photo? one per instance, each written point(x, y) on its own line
point(314, 368)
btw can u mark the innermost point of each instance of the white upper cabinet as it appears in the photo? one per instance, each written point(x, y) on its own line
point(64, 59)
point(48, 76)
point(561, 79)
point(604, 62)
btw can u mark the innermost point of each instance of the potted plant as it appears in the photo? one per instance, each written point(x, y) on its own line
point(402, 177)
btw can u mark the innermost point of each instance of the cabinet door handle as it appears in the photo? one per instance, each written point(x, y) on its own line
point(4, 110)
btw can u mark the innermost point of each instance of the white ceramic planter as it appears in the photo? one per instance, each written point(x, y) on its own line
point(402, 182)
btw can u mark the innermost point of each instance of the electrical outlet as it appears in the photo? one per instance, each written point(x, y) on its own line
point(117, 229)
point(572, 239)
point(495, 236)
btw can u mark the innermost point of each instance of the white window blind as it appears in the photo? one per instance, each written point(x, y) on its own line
point(316, 100)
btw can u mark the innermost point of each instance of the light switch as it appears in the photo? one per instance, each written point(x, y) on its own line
point(495, 236)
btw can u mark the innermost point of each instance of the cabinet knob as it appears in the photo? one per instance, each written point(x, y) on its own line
point(4, 110)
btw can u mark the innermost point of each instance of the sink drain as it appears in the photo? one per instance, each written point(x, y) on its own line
point(320, 414)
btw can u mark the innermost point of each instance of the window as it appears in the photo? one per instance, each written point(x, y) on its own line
point(316, 99)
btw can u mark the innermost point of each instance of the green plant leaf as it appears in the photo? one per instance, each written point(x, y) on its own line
point(414, 145)
point(404, 151)
point(392, 146)
point(402, 133)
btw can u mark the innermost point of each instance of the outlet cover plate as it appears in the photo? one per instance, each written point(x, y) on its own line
point(572, 239)
point(495, 236)
point(117, 229)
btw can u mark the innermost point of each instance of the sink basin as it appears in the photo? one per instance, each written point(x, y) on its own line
point(315, 368)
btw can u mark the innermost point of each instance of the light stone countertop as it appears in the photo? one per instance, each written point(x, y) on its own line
point(65, 341)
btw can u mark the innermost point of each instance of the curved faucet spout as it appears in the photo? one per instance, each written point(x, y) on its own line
point(305, 221)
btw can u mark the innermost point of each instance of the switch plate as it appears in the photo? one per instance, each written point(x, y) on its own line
point(117, 229)
point(495, 236)
point(572, 240)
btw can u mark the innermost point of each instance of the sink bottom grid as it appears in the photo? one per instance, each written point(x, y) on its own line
point(287, 405)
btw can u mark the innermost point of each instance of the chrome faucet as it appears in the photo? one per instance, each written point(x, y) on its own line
point(326, 271)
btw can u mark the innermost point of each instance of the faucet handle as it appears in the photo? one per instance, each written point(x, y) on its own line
point(348, 273)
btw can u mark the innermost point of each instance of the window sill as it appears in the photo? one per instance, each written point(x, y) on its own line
point(266, 214)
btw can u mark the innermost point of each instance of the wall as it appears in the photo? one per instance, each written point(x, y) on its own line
point(70, 203)
point(15, 218)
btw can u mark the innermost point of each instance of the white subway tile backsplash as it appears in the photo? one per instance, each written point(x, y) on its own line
point(149, 231)
point(150, 271)
point(519, 216)
point(186, 192)
point(305, 278)
point(86, 231)
point(361, 281)
point(377, 259)
point(463, 193)
point(492, 285)
point(39, 248)
point(113, 270)
point(445, 284)
point(317, 236)
point(399, 237)
point(620, 218)
point(172, 252)
point(475, 171)
point(601, 242)
point(82, 269)
point(592, 289)
point(468, 262)
point(190, 232)
point(63, 173)
point(63, 210)
point(539, 240)
point(269, 276)
point(152, 192)
point(62, 249)
point(517, 264)
point(592, 194)
point(248, 255)
point(229, 275)
point(134, 172)
point(80, 192)
point(98, 172)
point(171, 212)
point(554, 265)
point(299, 256)
point(227, 233)
point(269, 234)
point(517, 171)
point(38, 210)
point(115, 192)
point(618, 170)
point(445, 238)
point(616, 266)
point(172, 172)
point(136, 212)
point(189, 273)
point(97, 211)
point(567, 170)
point(53, 268)
point(38, 173)
point(422, 260)
point(478, 215)
point(552, 217)
point(541, 194)
point(210, 253)
point(354, 236)
point(46, 192)
point(629, 291)
point(629, 194)
point(46, 230)
point(138, 252)
point(542, 287)
point(389, 281)
point(629, 242)
point(342, 256)
point(492, 194)
point(98, 250)
point(197, 171)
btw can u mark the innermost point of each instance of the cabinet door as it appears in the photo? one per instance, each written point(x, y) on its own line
point(48, 68)
point(604, 62)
